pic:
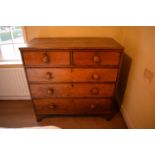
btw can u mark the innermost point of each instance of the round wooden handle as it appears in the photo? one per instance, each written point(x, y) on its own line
point(92, 106)
point(48, 75)
point(50, 91)
point(96, 59)
point(52, 106)
point(94, 91)
point(95, 76)
point(45, 58)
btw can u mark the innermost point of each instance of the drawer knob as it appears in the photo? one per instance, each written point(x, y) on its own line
point(95, 76)
point(96, 59)
point(50, 91)
point(52, 106)
point(48, 75)
point(92, 106)
point(45, 58)
point(94, 91)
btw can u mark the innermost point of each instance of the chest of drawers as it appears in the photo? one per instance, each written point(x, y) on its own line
point(72, 76)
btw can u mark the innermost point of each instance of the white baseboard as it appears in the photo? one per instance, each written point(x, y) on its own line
point(127, 119)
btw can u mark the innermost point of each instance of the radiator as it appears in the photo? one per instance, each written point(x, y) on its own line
point(13, 84)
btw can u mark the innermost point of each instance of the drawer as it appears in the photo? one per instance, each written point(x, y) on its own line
point(54, 106)
point(93, 106)
point(48, 57)
point(94, 74)
point(93, 90)
point(96, 57)
point(49, 74)
point(50, 90)
point(72, 75)
point(71, 90)
point(72, 106)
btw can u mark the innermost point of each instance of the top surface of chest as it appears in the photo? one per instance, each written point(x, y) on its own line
point(72, 43)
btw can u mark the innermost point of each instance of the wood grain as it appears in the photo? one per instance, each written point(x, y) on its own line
point(87, 57)
point(72, 106)
point(72, 75)
point(54, 57)
point(54, 106)
point(72, 43)
point(72, 90)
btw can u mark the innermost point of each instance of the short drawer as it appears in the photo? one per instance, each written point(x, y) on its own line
point(71, 90)
point(54, 106)
point(96, 57)
point(46, 57)
point(93, 106)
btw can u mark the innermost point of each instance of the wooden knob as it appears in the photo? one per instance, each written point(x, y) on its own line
point(94, 91)
point(95, 76)
point(50, 91)
point(52, 106)
point(48, 75)
point(45, 58)
point(96, 59)
point(92, 106)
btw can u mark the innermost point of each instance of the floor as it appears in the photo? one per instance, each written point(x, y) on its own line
point(18, 114)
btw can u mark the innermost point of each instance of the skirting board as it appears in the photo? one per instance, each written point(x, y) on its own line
point(126, 117)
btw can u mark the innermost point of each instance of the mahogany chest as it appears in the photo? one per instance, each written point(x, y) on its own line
point(72, 76)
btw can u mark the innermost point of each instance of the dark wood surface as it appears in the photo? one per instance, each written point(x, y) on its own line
point(71, 90)
point(52, 57)
point(72, 106)
point(73, 43)
point(84, 57)
point(82, 69)
point(72, 75)
point(54, 106)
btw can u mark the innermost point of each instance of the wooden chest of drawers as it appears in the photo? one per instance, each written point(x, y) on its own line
point(72, 76)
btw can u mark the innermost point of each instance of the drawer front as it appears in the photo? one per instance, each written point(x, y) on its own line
point(49, 74)
point(71, 90)
point(50, 90)
point(52, 57)
point(91, 57)
point(94, 75)
point(54, 106)
point(72, 106)
point(71, 75)
point(93, 106)
point(93, 90)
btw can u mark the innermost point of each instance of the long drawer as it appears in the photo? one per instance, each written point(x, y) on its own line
point(46, 57)
point(71, 90)
point(72, 106)
point(96, 57)
point(72, 75)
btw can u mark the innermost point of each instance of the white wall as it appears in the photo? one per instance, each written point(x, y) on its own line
point(74, 31)
point(138, 105)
